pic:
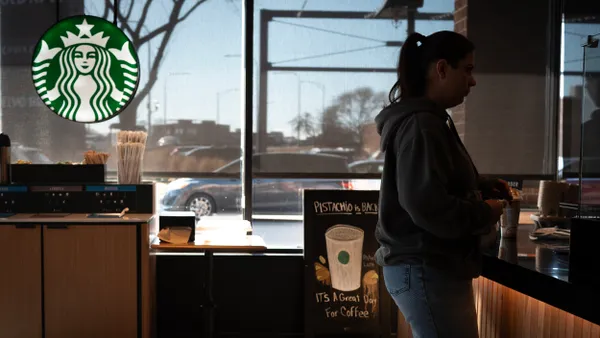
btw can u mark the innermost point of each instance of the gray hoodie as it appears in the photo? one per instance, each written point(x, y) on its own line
point(430, 209)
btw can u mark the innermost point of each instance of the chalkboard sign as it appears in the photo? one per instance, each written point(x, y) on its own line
point(344, 289)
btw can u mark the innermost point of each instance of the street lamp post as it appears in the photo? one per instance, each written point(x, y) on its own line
point(219, 99)
point(255, 67)
point(165, 91)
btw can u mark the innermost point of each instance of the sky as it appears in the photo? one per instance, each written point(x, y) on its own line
point(205, 53)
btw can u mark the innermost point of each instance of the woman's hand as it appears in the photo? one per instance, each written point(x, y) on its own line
point(495, 189)
point(502, 188)
point(497, 209)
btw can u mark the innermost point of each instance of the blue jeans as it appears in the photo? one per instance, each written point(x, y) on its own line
point(435, 304)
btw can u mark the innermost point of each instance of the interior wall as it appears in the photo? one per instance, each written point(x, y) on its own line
point(504, 120)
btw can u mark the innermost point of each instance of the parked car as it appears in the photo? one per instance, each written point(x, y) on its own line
point(206, 196)
point(377, 155)
point(222, 152)
point(182, 150)
point(168, 141)
point(348, 153)
point(366, 167)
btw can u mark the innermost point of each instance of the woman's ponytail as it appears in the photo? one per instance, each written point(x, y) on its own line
point(411, 73)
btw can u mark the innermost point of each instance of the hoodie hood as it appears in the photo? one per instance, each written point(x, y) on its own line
point(392, 116)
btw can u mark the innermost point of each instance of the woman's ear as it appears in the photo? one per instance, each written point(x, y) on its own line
point(441, 69)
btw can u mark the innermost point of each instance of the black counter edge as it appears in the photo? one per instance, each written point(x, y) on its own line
point(580, 301)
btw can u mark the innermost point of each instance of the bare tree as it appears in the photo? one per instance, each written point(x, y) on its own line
point(134, 29)
point(303, 124)
point(348, 115)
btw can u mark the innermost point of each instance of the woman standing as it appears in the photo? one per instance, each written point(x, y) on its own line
point(433, 208)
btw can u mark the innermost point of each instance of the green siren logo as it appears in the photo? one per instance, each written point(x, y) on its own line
point(85, 69)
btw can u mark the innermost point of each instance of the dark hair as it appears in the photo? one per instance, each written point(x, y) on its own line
point(418, 52)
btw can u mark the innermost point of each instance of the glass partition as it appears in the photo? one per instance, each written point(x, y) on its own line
point(589, 163)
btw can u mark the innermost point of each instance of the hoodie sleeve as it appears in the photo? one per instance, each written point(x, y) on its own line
point(422, 164)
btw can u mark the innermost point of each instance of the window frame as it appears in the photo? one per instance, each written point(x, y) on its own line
point(247, 175)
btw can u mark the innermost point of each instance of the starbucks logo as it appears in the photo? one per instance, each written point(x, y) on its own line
point(85, 69)
point(344, 257)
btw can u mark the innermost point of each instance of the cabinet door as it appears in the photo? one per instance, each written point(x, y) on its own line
point(20, 282)
point(90, 284)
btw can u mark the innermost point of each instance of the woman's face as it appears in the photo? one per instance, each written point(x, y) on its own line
point(454, 84)
point(84, 58)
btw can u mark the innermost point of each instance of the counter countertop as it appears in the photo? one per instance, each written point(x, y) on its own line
point(228, 244)
point(538, 271)
point(74, 219)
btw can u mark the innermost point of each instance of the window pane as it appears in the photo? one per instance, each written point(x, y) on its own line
point(574, 35)
point(576, 101)
point(568, 160)
point(322, 94)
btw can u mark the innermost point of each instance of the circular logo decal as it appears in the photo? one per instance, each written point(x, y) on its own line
point(344, 257)
point(85, 69)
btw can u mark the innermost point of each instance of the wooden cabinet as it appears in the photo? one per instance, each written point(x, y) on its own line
point(90, 281)
point(74, 281)
point(20, 281)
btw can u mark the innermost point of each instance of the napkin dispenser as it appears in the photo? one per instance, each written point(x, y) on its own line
point(178, 219)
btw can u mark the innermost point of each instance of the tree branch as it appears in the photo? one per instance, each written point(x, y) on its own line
point(128, 120)
point(105, 14)
point(160, 53)
point(143, 17)
point(151, 35)
point(171, 24)
point(128, 15)
point(198, 3)
point(124, 22)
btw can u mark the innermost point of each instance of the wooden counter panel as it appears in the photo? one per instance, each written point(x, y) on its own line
point(20, 282)
point(503, 312)
point(90, 281)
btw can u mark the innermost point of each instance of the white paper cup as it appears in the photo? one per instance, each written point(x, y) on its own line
point(509, 221)
point(344, 254)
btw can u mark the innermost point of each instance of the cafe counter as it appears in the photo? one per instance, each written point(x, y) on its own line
point(76, 275)
point(524, 291)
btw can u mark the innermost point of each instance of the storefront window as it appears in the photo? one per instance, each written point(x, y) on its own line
point(322, 80)
point(322, 70)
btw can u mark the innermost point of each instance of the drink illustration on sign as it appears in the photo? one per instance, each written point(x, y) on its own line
point(345, 256)
point(344, 253)
point(85, 69)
